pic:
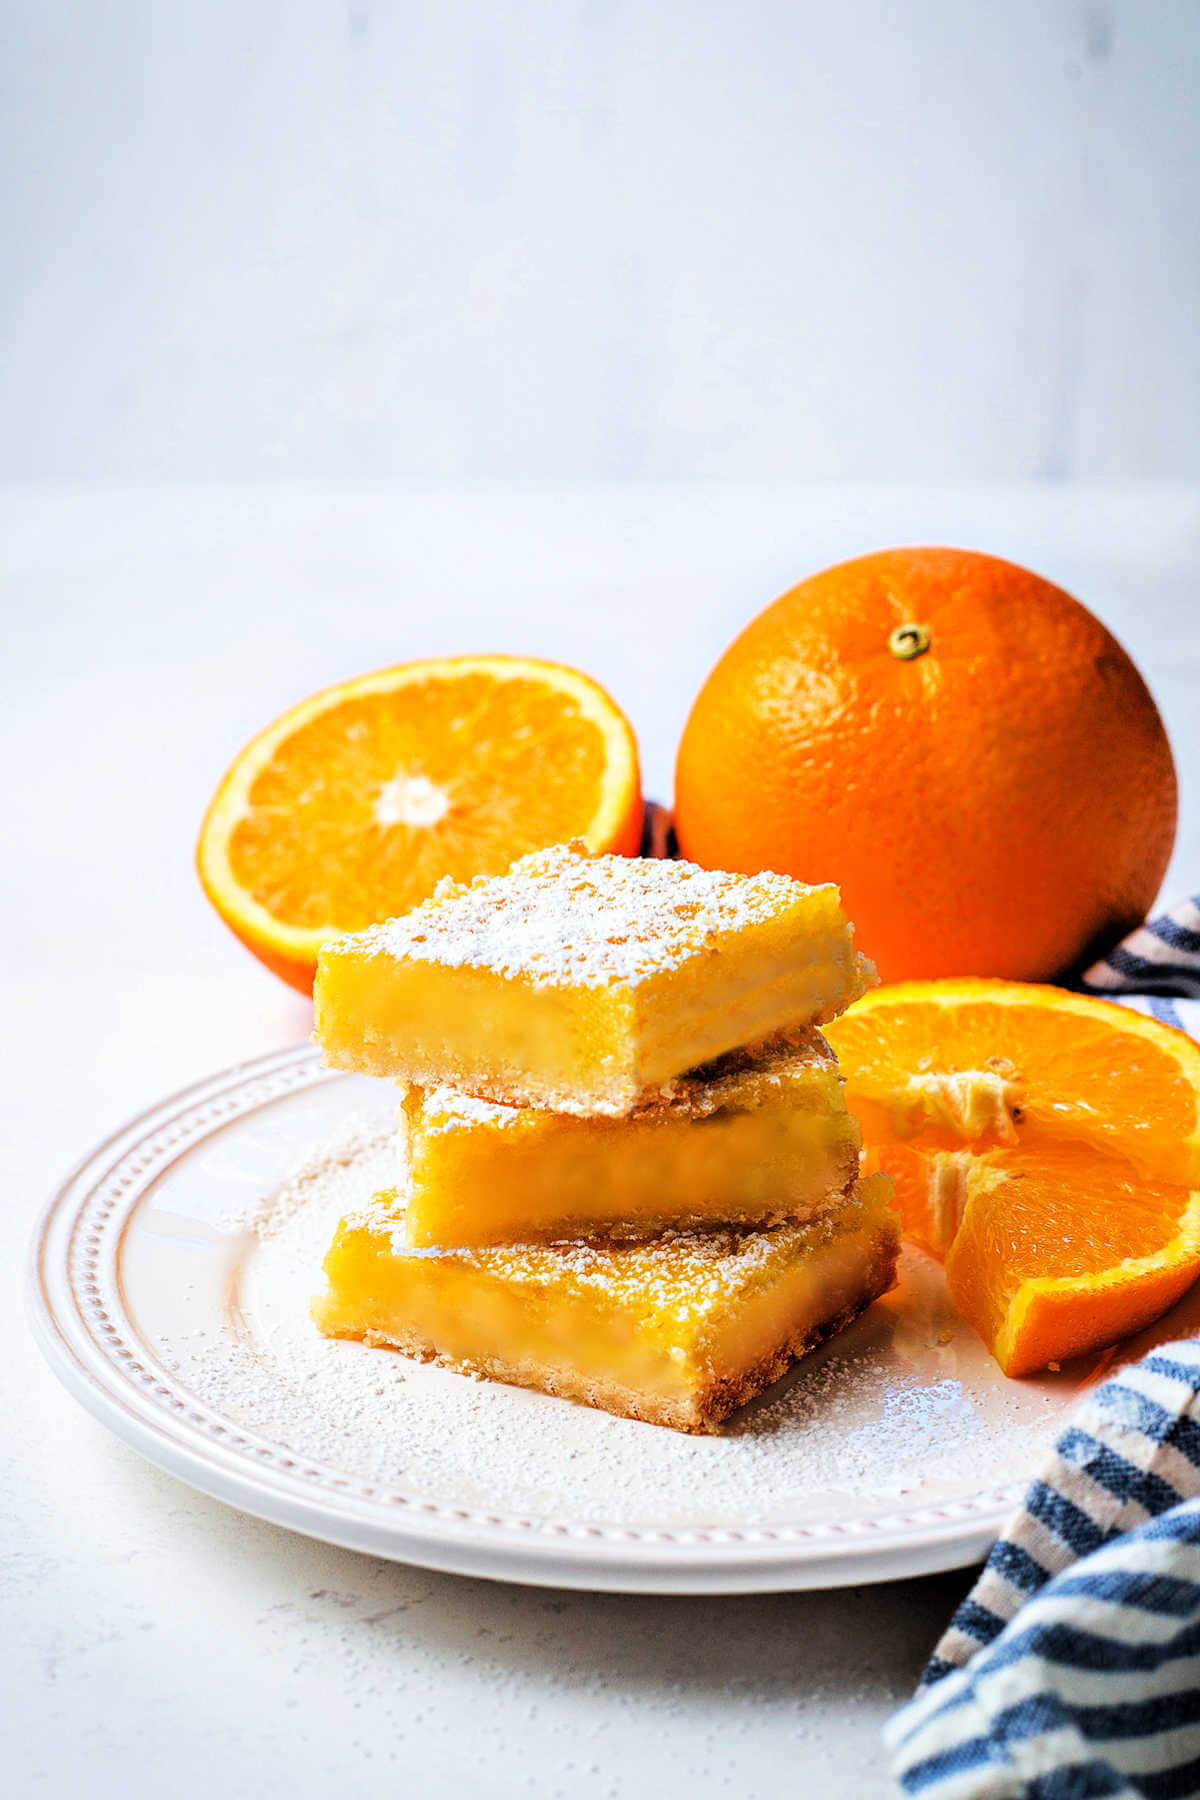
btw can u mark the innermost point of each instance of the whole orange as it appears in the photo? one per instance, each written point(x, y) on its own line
point(959, 744)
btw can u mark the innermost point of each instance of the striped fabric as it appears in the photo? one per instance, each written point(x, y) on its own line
point(1161, 957)
point(1072, 1669)
point(1156, 969)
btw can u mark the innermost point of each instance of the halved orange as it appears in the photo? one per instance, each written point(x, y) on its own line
point(1046, 1144)
point(354, 804)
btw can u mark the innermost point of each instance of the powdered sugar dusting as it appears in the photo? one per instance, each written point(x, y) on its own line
point(448, 1109)
point(356, 1140)
point(904, 1408)
point(683, 1275)
point(561, 915)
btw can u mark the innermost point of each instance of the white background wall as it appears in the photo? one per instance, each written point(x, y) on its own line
point(580, 240)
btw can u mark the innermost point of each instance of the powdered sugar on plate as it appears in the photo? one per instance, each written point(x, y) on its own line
point(357, 1142)
point(904, 1409)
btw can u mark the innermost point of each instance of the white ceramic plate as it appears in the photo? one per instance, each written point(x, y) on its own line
point(896, 1450)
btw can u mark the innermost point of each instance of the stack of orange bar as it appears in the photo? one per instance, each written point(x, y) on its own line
point(628, 1173)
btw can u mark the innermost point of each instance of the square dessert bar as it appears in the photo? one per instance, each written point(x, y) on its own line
point(749, 1140)
point(584, 984)
point(678, 1330)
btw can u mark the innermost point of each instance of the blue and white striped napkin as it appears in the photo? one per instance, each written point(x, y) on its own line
point(1156, 969)
point(1072, 1669)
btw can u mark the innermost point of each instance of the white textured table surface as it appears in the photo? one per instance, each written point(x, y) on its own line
point(152, 1641)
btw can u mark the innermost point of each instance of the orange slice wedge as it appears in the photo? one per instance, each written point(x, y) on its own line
point(1045, 1144)
point(1060, 1250)
point(353, 805)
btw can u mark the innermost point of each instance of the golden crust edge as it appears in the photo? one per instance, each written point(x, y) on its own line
point(620, 1098)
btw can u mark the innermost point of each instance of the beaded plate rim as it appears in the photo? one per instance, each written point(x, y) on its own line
point(75, 1298)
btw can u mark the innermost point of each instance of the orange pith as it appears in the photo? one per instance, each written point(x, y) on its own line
point(353, 805)
point(1045, 1144)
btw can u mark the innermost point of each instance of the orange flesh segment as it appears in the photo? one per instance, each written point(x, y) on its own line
point(917, 1176)
point(1060, 1250)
